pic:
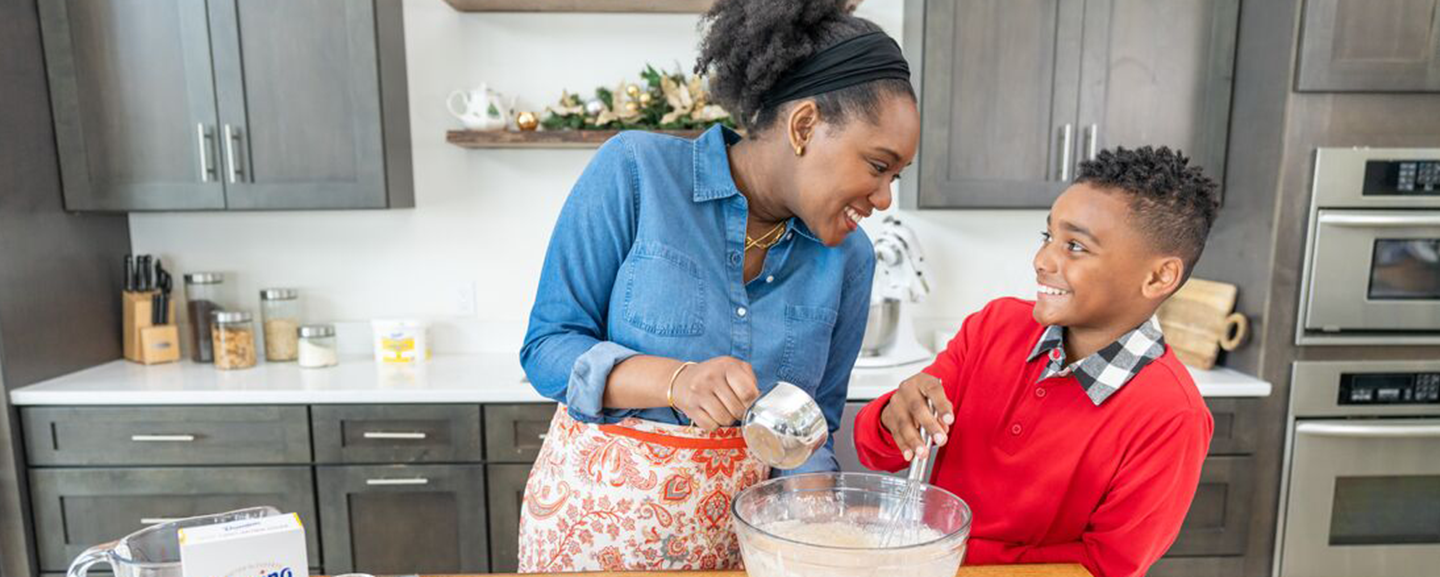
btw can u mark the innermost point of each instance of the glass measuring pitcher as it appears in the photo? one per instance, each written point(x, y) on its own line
point(155, 550)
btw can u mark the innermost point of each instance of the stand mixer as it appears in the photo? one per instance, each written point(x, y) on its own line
point(899, 283)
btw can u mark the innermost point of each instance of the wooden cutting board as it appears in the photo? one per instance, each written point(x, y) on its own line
point(1199, 322)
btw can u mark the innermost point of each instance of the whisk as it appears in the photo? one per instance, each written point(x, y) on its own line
point(906, 512)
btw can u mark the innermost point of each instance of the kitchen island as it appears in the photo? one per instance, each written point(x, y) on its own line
point(1048, 570)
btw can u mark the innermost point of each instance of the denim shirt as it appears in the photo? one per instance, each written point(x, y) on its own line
point(646, 258)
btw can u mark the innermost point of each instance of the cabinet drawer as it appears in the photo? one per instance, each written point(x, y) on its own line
point(404, 519)
point(79, 508)
point(1219, 517)
point(396, 433)
point(138, 436)
point(514, 433)
point(1235, 425)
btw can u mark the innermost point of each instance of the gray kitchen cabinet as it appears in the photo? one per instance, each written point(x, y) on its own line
point(514, 433)
point(1219, 518)
point(506, 487)
point(404, 519)
point(358, 434)
point(1017, 92)
point(1361, 45)
point(1236, 426)
point(168, 106)
point(78, 508)
point(134, 103)
point(845, 442)
point(144, 436)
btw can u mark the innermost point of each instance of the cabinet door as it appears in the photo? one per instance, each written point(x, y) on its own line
point(79, 508)
point(134, 103)
point(1362, 45)
point(403, 519)
point(999, 102)
point(299, 100)
point(506, 484)
point(1159, 73)
point(1219, 517)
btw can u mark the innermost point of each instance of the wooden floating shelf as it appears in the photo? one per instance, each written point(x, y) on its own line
point(655, 6)
point(543, 139)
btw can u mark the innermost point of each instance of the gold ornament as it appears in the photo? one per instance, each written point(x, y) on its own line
point(526, 121)
point(632, 107)
point(645, 99)
point(632, 90)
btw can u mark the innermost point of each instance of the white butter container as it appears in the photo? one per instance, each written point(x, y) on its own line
point(401, 341)
point(265, 547)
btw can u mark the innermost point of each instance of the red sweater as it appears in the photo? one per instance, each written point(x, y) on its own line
point(1051, 477)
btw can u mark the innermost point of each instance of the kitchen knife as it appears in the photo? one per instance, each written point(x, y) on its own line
point(144, 273)
point(129, 273)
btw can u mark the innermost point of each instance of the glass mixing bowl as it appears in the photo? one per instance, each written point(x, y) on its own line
point(832, 524)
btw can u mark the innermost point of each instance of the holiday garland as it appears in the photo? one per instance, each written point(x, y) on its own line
point(667, 101)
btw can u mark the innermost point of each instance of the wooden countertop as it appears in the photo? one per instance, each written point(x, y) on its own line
point(1067, 570)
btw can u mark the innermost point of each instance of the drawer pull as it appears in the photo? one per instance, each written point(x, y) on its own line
point(162, 438)
point(397, 436)
point(543, 435)
point(395, 482)
point(159, 520)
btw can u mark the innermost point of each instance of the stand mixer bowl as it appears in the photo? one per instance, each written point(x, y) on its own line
point(830, 524)
point(880, 327)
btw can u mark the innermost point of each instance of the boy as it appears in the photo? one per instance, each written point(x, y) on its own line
point(1077, 435)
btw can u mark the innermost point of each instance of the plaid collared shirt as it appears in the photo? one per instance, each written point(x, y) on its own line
point(1105, 371)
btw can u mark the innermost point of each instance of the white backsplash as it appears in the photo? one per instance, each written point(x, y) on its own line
point(468, 257)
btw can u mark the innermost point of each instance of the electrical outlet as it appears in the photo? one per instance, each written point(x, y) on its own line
point(463, 299)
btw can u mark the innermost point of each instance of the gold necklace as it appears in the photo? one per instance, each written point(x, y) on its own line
point(766, 240)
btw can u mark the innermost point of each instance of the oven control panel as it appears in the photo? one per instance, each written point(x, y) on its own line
point(1402, 177)
point(1390, 389)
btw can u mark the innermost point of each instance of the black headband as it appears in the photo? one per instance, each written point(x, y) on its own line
point(855, 60)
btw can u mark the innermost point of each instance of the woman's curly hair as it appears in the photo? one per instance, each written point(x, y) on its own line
point(750, 45)
point(1171, 200)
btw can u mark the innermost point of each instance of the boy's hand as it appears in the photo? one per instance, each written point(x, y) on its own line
point(908, 411)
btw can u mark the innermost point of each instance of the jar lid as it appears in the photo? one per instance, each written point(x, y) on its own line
point(204, 278)
point(232, 316)
point(312, 331)
point(279, 294)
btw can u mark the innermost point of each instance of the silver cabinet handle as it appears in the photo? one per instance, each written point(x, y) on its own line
point(1092, 138)
point(231, 136)
point(1369, 431)
point(400, 436)
point(1379, 220)
point(207, 167)
point(158, 520)
point(543, 435)
point(1067, 141)
point(162, 438)
point(395, 482)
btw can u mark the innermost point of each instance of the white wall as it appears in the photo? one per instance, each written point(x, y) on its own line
point(483, 217)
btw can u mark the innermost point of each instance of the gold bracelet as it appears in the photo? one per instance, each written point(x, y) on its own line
point(670, 391)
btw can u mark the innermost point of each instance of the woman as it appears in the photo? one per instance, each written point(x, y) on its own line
point(684, 278)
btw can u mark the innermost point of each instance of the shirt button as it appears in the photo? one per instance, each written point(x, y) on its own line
point(734, 257)
point(1015, 429)
point(787, 236)
point(1040, 392)
point(740, 311)
point(770, 279)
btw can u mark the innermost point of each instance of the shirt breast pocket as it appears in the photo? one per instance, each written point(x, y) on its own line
point(664, 293)
point(807, 344)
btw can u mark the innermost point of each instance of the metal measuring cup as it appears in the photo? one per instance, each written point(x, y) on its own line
point(784, 427)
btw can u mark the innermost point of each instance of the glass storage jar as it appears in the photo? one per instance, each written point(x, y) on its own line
point(280, 317)
point(234, 336)
point(202, 298)
point(317, 346)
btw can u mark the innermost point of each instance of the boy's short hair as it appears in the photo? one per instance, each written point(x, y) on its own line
point(1171, 201)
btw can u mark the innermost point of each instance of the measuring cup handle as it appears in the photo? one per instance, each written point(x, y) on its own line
point(91, 556)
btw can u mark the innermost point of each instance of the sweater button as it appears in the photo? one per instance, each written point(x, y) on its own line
point(1015, 429)
point(1040, 393)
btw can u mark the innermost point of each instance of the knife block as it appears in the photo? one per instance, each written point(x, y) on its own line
point(142, 341)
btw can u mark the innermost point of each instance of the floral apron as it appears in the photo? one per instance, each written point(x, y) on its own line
point(633, 496)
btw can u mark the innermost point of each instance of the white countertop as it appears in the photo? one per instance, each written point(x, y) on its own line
point(479, 378)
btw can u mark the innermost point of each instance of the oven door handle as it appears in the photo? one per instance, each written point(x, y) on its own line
point(1379, 221)
point(1368, 431)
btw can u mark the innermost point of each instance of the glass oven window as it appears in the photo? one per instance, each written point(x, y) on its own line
point(1389, 510)
point(1405, 269)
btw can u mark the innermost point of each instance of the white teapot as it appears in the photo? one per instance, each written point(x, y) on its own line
point(479, 108)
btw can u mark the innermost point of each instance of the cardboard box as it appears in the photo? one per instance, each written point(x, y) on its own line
point(267, 547)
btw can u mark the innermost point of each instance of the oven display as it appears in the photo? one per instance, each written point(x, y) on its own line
point(1390, 389)
point(1402, 178)
point(1405, 269)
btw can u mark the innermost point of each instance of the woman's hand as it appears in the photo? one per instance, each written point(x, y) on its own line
point(908, 411)
point(717, 392)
